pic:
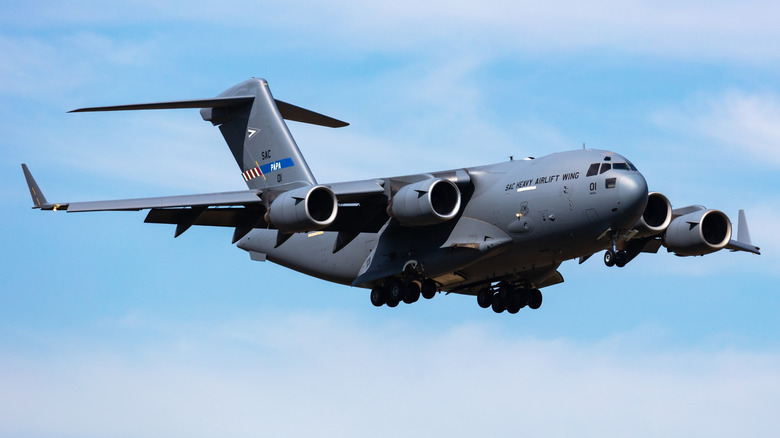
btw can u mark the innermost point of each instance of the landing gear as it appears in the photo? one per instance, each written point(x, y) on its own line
point(378, 296)
point(615, 258)
point(621, 258)
point(428, 288)
point(392, 292)
point(499, 304)
point(509, 298)
point(609, 257)
point(535, 299)
point(412, 293)
point(485, 298)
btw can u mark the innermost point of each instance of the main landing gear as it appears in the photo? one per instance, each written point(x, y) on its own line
point(509, 298)
point(394, 291)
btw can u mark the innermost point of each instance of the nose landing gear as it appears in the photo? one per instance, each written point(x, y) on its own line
point(615, 258)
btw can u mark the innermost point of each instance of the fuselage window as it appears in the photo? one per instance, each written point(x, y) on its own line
point(605, 167)
point(593, 169)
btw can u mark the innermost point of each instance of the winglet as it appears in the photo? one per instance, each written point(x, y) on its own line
point(743, 242)
point(39, 200)
point(37, 196)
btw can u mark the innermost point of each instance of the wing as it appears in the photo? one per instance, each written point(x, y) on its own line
point(361, 208)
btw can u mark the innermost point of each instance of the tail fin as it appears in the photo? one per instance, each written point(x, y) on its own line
point(260, 140)
point(252, 123)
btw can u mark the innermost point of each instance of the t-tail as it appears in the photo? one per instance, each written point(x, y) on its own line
point(252, 123)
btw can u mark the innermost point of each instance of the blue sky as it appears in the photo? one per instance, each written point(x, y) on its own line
point(110, 327)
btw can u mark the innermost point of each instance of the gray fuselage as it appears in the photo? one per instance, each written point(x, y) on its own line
point(518, 219)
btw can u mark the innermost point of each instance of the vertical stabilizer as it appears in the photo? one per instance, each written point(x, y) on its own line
point(259, 139)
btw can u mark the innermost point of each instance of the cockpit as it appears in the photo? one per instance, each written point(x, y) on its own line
point(599, 168)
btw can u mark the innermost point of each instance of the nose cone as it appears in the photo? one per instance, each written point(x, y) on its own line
point(633, 194)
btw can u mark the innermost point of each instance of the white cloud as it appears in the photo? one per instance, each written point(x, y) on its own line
point(691, 30)
point(328, 375)
point(741, 123)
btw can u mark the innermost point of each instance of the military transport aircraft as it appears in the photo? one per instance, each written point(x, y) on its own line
point(497, 232)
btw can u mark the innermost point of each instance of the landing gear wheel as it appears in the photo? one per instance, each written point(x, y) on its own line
point(397, 291)
point(378, 296)
point(412, 293)
point(535, 299)
point(504, 290)
point(524, 294)
point(485, 298)
point(391, 302)
point(514, 302)
point(498, 304)
point(621, 258)
point(609, 257)
point(428, 288)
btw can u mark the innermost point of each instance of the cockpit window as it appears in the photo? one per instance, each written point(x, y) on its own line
point(593, 169)
point(631, 166)
point(620, 166)
point(605, 167)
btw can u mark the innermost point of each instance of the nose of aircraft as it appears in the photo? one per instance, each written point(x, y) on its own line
point(633, 194)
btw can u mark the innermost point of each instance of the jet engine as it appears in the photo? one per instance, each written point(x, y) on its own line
point(427, 202)
point(305, 209)
point(698, 233)
point(657, 216)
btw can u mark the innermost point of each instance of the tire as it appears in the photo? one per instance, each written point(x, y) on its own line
point(391, 302)
point(505, 290)
point(498, 304)
point(621, 258)
point(378, 296)
point(412, 293)
point(397, 291)
point(428, 288)
point(513, 305)
point(535, 299)
point(485, 298)
point(609, 258)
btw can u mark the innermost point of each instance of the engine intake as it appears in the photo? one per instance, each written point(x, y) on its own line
point(657, 216)
point(305, 209)
point(698, 233)
point(427, 202)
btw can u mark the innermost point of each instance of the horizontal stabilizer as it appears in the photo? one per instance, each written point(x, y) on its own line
point(298, 114)
point(287, 110)
point(215, 102)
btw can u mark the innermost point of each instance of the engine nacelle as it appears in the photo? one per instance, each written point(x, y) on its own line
point(698, 233)
point(305, 209)
point(657, 216)
point(427, 202)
